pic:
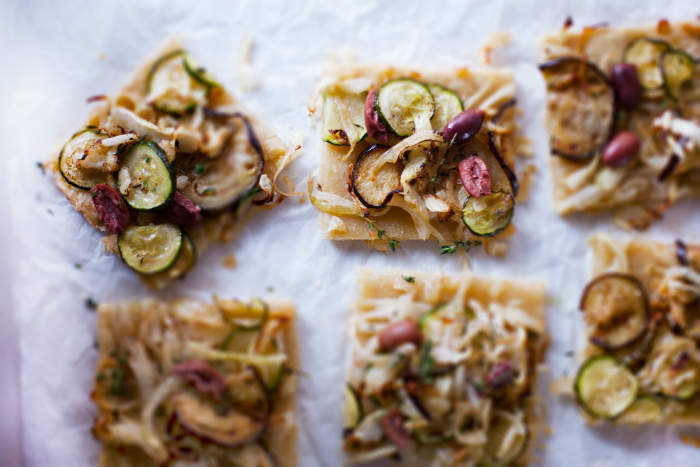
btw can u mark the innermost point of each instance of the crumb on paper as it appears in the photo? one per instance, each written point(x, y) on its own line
point(526, 177)
point(229, 261)
point(692, 440)
point(102, 56)
point(248, 78)
point(496, 41)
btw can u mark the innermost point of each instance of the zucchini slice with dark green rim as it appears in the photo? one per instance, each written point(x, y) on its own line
point(374, 186)
point(605, 387)
point(496, 452)
point(580, 107)
point(488, 215)
point(405, 105)
point(676, 69)
point(197, 72)
point(152, 248)
point(215, 184)
point(74, 151)
point(643, 410)
point(258, 307)
point(334, 130)
point(645, 54)
point(616, 307)
point(353, 408)
point(171, 88)
point(447, 105)
point(146, 177)
point(184, 262)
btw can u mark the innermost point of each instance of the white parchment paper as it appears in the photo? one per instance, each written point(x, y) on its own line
point(54, 55)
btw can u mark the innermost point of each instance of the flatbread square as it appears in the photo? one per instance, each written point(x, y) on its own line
point(603, 82)
point(189, 382)
point(443, 369)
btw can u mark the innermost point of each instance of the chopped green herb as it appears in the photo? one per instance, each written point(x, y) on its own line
point(270, 289)
point(393, 243)
point(208, 191)
point(380, 234)
point(447, 249)
point(148, 159)
point(467, 245)
point(77, 265)
point(41, 167)
point(200, 168)
point(409, 279)
point(426, 362)
point(469, 312)
point(100, 377)
point(90, 304)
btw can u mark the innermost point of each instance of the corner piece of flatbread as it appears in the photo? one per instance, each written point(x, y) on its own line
point(141, 341)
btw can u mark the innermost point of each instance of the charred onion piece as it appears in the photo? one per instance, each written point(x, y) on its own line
point(581, 107)
point(507, 170)
point(617, 308)
point(216, 183)
point(249, 393)
point(202, 376)
point(229, 429)
point(393, 427)
point(374, 186)
point(681, 252)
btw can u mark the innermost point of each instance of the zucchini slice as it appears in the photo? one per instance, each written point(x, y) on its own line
point(197, 72)
point(171, 88)
point(217, 183)
point(185, 259)
point(73, 152)
point(605, 387)
point(447, 105)
point(616, 306)
point(353, 409)
point(506, 440)
point(146, 177)
point(374, 186)
point(643, 410)
point(645, 54)
point(405, 105)
point(343, 118)
point(677, 69)
point(152, 248)
point(580, 107)
point(488, 215)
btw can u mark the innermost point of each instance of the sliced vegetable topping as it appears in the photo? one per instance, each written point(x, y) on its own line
point(171, 88)
point(375, 127)
point(676, 69)
point(197, 72)
point(150, 248)
point(182, 211)
point(145, 177)
point(185, 259)
point(447, 105)
point(343, 118)
point(643, 410)
point(405, 105)
point(111, 209)
point(475, 176)
point(605, 387)
point(463, 126)
point(227, 177)
point(375, 185)
point(76, 150)
point(488, 215)
point(353, 408)
point(400, 332)
point(674, 368)
point(645, 53)
point(581, 105)
point(616, 306)
point(628, 89)
point(621, 149)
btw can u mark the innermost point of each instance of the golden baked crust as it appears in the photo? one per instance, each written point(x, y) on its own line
point(489, 89)
point(141, 345)
point(673, 291)
point(636, 191)
point(217, 226)
point(475, 330)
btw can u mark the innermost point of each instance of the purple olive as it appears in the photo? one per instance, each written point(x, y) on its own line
point(463, 126)
point(621, 149)
point(626, 83)
point(398, 333)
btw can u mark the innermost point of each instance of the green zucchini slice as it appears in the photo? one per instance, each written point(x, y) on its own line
point(353, 408)
point(677, 69)
point(184, 262)
point(73, 152)
point(374, 186)
point(488, 215)
point(504, 446)
point(152, 248)
point(343, 118)
point(145, 177)
point(645, 54)
point(605, 387)
point(405, 105)
point(643, 410)
point(171, 88)
point(616, 307)
point(447, 105)
point(197, 72)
